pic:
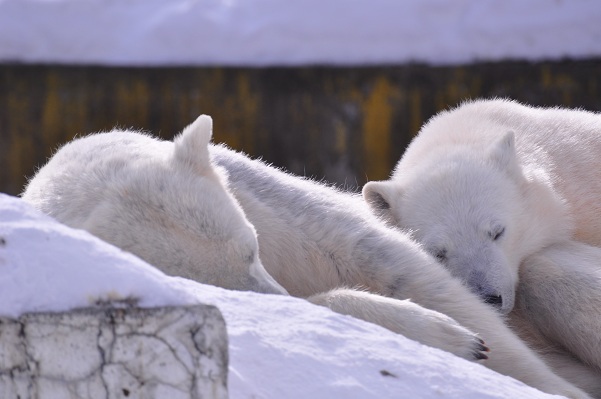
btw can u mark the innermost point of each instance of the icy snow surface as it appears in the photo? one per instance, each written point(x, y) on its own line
point(276, 32)
point(280, 347)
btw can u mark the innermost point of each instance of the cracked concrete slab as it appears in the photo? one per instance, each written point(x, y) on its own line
point(108, 352)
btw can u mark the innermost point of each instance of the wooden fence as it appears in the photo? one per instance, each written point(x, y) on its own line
point(345, 125)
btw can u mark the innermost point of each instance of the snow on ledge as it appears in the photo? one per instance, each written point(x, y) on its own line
point(275, 32)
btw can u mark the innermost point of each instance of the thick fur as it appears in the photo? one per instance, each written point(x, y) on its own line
point(168, 204)
point(558, 311)
point(406, 318)
point(162, 201)
point(314, 238)
point(491, 182)
point(485, 187)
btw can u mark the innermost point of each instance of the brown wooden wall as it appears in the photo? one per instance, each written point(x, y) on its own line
point(346, 125)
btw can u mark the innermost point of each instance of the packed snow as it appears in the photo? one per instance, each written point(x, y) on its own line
point(280, 347)
point(275, 32)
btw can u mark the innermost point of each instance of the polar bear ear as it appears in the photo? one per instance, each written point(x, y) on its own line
point(503, 153)
point(192, 145)
point(380, 195)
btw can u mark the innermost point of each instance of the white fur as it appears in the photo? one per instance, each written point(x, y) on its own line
point(160, 200)
point(168, 204)
point(558, 311)
point(496, 164)
point(406, 318)
point(154, 199)
point(314, 238)
point(492, 182)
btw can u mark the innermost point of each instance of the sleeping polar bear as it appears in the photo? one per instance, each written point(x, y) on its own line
point(485, 188)
point(162, 201)
point(167, 203)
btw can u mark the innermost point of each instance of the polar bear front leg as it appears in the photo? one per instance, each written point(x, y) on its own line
point(404, 317)
point(560, 290)
point(396, 272)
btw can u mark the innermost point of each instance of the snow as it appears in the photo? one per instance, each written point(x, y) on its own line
point(280, 347)
point(275, 32)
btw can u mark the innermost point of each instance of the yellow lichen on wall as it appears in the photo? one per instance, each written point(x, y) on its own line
point(244, 105)
point(51, 112)
point(376, 130)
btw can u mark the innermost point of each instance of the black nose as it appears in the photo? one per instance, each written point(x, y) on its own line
point(495, 300)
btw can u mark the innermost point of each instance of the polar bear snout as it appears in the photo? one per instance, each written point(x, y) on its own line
point(477, 282)
point(488, 289)
point(262, 281)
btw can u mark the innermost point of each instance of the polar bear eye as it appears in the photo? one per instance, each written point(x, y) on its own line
point(249, 257)
point(496, 233)
point(440, 255)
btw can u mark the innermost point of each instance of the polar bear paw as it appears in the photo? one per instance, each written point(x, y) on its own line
point(404, 317)
point(446, 334)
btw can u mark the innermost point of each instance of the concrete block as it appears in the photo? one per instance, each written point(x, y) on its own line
point(108, 352)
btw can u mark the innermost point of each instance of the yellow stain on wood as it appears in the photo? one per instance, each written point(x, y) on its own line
point(546, 77)
point(248, 103)
point(340, 138)
point(51, 112)
point(377, 118)
point(233, 108)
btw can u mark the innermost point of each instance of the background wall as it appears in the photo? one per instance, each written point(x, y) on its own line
point(345, 125)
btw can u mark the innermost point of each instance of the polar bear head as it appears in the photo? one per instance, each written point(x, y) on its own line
point(476, 212)
point(175, 211)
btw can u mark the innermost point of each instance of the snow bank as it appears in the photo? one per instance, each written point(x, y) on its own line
point(280, 347)
point(275, 32)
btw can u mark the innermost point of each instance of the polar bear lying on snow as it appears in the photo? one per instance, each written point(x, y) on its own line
point(167, 203)
point(162, 201)
point(485, 188)
point(313, 239)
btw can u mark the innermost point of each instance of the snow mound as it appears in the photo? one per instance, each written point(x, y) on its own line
point(280, 347)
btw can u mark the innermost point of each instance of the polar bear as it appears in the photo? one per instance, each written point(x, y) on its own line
point(168, 204)
point(162, 201)
point(491, 182)
point(488, 184)
point(314, 238)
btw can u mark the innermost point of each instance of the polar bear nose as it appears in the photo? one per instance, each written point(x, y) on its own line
point(495, 300)
point(479, 285)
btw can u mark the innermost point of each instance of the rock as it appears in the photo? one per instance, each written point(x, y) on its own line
point(115, 352)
